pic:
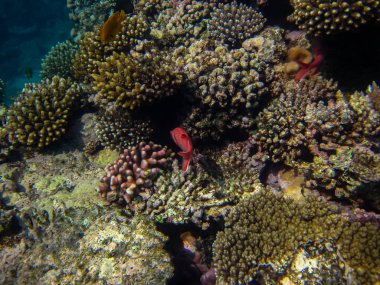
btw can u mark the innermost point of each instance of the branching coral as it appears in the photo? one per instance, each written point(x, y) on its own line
point(327, 17)
point(118, 132)
point(292, 123)
point(233, 23)
point(264, 233)
point(59, 61)
point(182, 26)
point(133, 174)
point(128, 82)
point(92, 49)
point(87, 14)
point(40, 114)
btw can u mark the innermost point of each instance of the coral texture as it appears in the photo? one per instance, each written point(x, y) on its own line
point(328, 17)
point(92, 49)
point(118, 132)
point(40, 114)
point(59, 61)
point(264, 232)
point(133, 174)
point(128, 82)
point(233, 23)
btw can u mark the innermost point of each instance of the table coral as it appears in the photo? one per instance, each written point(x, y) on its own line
point(320, 17)
point(264, 232)
point(133, 174)
point(233, 23)
point(59, 61)
point(40, 114)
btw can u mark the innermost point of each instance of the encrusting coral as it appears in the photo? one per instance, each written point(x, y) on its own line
point(265, 232)
point(233, 23)
point(118, 132)
point(327, 17)
point(133, 174)
point(59, 61)
point(40, 114)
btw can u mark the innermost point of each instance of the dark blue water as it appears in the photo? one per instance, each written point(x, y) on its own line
point(28, 31)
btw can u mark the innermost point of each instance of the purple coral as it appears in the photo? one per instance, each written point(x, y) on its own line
point(133, 173)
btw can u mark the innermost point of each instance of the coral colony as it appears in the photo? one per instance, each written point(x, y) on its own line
point(278, 172)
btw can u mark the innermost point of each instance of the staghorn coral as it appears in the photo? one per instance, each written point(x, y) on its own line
point(117, 132)
point(133, 174)
point(373, 91)
point(40, 114)
point(233, 23)
point(92, 49)
point(128, 82)
point(320, 17)
point(265, 233)
point(59, 61)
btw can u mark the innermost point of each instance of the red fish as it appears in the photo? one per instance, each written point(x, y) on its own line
point(312, 67)
point(183, 140)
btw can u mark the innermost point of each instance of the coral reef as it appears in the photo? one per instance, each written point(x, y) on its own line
point(182, 26)
point(92, 49)
point(119, 132)
point(328, 17)
point(133, 174)
point(206, 193)
point(59, 61)
point(88, 14)
point(265, 233)
point(233, 23)
point(40, 114)
point(128, 82)
point(292, 123)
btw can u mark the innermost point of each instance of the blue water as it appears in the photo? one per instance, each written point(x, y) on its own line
point(29, 30)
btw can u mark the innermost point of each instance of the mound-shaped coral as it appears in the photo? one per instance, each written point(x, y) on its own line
point(233, 23)
point(328, 17)
point(118, 132)
point(128, 82)
point(264, 233)
point(59, 61)
point(92, 49)
point(40, 114)
point(181, 26)
point(133, 174)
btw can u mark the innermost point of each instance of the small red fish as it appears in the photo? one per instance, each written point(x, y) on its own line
point(183, 140)
point(312, 67)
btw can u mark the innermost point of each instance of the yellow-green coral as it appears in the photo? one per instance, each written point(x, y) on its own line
point(40, 114)
point(59, 61)
point(264, 232)
point(128, 82)
point(92, 49)
point(327, 17)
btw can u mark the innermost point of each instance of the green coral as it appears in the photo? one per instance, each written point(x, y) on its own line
point(40, 114)
point(59, 61)
point(319, 17)
point(264, 233)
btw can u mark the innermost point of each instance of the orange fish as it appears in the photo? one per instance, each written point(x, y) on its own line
point(112, 27)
